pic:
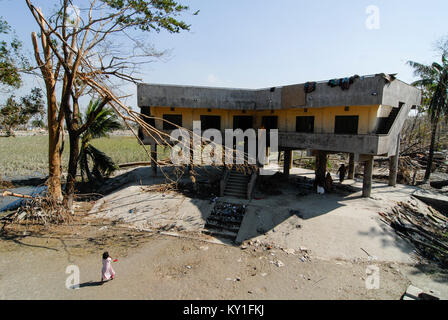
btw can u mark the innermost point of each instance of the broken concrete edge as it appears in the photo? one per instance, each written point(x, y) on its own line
point(414, 293)
point(431, 198)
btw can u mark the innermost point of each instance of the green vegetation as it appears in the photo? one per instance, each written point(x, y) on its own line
point(16, 113)
point(434, 83)
point(105, 121)
point(28, 156)
point(11, 59)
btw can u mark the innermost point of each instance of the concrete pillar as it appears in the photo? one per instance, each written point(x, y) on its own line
point(287, 163)
point(367, 182)
point(393, 165)
point(321, 168)
point(154, 160)
point(292, 159)
point(351, 167)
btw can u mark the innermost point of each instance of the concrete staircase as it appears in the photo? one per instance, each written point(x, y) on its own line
point(387, 125)
point(237, 184)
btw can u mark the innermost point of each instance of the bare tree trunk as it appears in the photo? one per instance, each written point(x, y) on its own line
point(54, 156)
point(431, 149)
point(54, 124)
point(72, 170)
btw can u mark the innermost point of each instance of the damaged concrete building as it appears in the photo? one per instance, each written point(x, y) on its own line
point(362, 116)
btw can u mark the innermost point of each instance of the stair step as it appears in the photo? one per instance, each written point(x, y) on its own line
point(239, 177)
point(221, 234)
point(241, 182)
point(233, 189)
point(222, 226)
point(235, 220)
point(238, 173)
point(236, 189)
point(243, 185)
point(235, 195)
point(239, 185)
point(237, 181)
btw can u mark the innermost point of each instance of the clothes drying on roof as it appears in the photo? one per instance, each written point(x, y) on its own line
point(310, 87)
point(344, 83)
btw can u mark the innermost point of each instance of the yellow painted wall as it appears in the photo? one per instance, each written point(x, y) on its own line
point(323, 122)
point(324, 118)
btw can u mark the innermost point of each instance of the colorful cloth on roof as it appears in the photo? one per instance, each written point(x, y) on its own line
point(310, 87)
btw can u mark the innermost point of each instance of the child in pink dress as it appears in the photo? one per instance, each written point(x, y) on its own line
point(107, 273)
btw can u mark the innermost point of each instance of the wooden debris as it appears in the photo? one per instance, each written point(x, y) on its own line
point(39, 210)
point(428, 231)
point(16, 195)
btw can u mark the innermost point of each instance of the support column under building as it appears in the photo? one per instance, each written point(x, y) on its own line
point(367, 181)
point(393, 165)
point(321, 168)
point(154, 160)
point(351, 167)
point(287, 163)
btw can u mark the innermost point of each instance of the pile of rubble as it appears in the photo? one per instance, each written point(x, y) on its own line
point(225, 219)
point(425, 228)
point(259, 246)
point(40, 210)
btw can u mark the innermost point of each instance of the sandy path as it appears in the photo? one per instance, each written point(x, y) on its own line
point(173, 268)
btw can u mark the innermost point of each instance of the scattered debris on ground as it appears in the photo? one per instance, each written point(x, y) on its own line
point(427, 231)
point(304, 254)
point(225, 220)
point(39, 210)
point(5, 184)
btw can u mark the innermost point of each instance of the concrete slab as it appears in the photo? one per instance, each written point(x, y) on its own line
point(150, 210)
point(331, 225)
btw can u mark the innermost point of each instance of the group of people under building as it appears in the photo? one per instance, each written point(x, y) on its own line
point(342, 171)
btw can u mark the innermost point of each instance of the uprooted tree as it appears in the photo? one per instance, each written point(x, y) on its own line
point(86, 50)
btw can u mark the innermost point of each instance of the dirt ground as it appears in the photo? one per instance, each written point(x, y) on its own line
point(154, 266)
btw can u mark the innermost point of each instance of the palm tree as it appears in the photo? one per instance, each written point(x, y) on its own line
point(433, 80)
point(105, 122)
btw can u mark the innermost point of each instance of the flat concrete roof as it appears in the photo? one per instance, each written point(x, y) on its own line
point(379, 89)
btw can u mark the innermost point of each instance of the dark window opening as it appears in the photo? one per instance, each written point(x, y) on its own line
point(175, 119)
point(210, 122)
point(346, 125)
point(305, 124)
point(146, 112)
point(269, 122)
point(242, 122)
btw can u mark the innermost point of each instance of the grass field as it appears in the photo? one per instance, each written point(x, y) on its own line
point(27, 156)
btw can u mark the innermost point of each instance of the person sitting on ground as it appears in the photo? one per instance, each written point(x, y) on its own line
point(107, 273)
point(328, 183)
point(342, 170)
